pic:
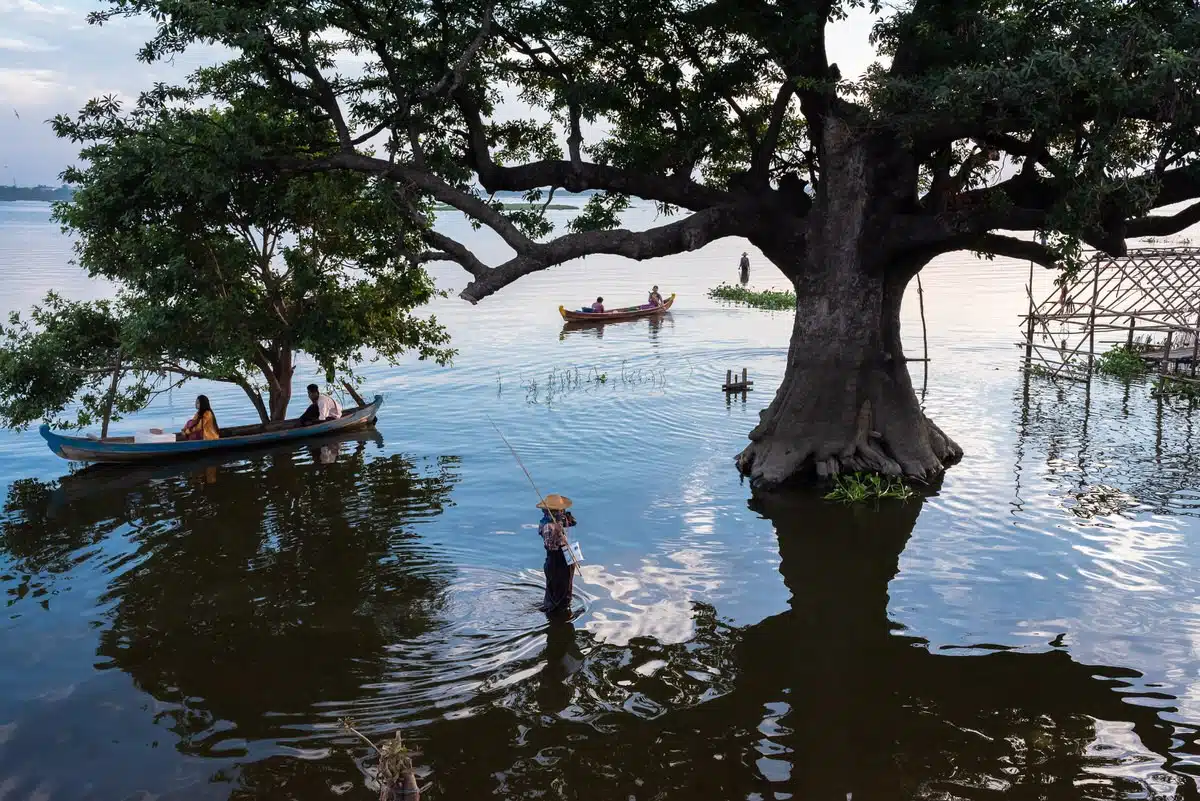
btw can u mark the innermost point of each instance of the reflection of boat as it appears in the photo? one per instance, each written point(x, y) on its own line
point(124, 449)
point(595, 328)
point(626, 313)
point(108, 478)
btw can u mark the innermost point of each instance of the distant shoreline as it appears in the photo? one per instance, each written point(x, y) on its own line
point(44, 194)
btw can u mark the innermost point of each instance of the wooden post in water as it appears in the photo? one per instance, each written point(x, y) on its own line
point(1092, 316)
point(728, 378)
point(743, 375)
point(110, 400)
point(1129, 339)
point(925, 337)
point(1195, 343)
point(1162, 366)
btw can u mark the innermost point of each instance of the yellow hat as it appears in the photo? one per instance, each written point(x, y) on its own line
point(556, 503)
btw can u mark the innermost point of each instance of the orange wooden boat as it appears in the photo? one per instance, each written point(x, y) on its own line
point(626, 313)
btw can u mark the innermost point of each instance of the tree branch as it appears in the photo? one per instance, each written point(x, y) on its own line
point(688, 234)
point(677, 190)
point(760, 163)
point(429, 183)
point(453, 251)
point(1000, 245)
point(1163, 224)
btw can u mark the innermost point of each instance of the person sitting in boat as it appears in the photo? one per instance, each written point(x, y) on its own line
point(655, 298)
point(560, 577)
point(321, 408)
point(204, 424)
point(598, 306)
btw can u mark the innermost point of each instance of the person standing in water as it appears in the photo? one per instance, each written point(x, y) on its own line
point(744, 269)
point(560, 577)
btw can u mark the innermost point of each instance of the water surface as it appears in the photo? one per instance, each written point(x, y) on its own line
point(197, 630)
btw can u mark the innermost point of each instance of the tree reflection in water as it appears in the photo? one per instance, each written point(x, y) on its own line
point(257, 614)
point(827, 700)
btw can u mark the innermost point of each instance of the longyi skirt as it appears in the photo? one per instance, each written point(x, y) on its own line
point(560, 580)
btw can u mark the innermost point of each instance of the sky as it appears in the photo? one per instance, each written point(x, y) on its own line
point(52, 62)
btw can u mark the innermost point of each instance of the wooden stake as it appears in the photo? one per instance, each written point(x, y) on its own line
point(1092, 318)
point(921, 304)
point(728, 377)
point(1162, 366)
point(743, 375)
point(1129, 341)
point(1195, 343)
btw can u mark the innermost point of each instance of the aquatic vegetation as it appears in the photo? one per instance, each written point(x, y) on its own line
point(1169, 388)
point(861, 487)
point(395, 771)
point(1040, 371)
point(769, 299)
point(560, 381)
point(1120, 362)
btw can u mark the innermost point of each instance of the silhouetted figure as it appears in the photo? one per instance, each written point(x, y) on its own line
point(744, 269)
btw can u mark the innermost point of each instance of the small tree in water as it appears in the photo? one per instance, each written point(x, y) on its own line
point(225, 270)
point(733, 112)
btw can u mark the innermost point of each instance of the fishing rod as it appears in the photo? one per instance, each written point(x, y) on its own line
point(532, 483)
point(518, 458)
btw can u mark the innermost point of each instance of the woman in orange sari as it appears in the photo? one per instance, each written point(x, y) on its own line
point(204, 424)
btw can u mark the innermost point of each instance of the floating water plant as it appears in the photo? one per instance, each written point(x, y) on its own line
point(395, 771)
point(769, 299)
point(1120, 362)
point(862, 487)
point(1176, 389)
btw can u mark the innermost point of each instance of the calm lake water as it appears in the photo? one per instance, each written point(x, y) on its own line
point(197, 631)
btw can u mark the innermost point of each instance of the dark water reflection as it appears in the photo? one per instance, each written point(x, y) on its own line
point(251, 605)
point(195, 631)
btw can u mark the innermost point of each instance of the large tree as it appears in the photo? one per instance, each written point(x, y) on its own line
point(225, 270)
point(730, 110)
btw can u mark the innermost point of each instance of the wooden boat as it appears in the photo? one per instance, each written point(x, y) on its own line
point(124, 450)
point(626, 313)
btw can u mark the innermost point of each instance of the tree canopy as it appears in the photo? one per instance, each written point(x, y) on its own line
point(225, 270)
point(981, 124)
point(721, 108)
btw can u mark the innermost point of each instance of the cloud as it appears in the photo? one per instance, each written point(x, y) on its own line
point(32, 7)
point(29, 86)
point(30, 45)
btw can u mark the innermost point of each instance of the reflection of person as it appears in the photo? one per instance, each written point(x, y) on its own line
point(560, 577)
point(204, 424)
point(321, 408)
point(563, 659)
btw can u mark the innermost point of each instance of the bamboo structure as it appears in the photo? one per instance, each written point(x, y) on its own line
point(1147, 300)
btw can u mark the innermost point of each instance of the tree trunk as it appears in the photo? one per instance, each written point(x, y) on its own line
point(846, 402)
point(256, 400)
point(279, 382)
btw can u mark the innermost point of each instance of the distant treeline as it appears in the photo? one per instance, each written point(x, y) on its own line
point(50, 193)
point(43, 193)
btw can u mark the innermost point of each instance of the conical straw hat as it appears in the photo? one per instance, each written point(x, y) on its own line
point(556, 503)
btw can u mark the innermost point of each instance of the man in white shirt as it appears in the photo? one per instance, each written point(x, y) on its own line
point(321, 408)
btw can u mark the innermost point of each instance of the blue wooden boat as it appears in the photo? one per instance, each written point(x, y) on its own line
point(125, 450)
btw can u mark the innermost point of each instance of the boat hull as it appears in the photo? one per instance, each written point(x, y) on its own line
point(631, 313)
point(83, 449)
